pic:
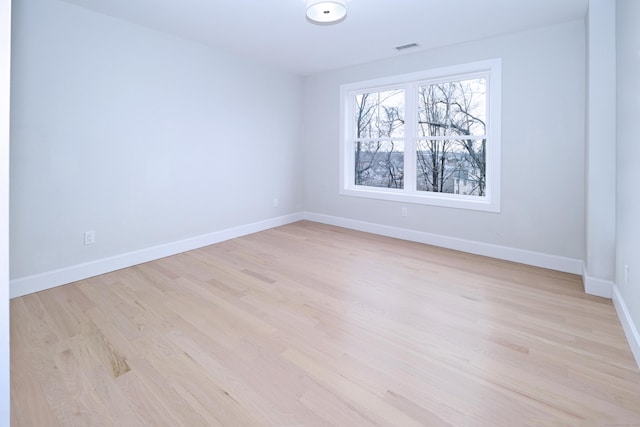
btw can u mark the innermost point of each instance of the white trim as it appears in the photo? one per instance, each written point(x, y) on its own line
point(537, 259)
point(427, 198)
point(594, 286)
point(50, 279)
point(442, 74)
point(5, 89)
point(630, 330)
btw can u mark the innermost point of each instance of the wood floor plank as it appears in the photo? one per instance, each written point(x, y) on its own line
point(146, 405)
point(314, 325)
point(33, 410)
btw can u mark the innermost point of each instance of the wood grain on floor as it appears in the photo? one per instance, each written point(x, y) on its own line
point(314, 325)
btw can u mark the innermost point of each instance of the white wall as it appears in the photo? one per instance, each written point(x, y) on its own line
point(628, 153)
point(143, 137)
point(600, 174)
point(542, 144)
point(5, 66)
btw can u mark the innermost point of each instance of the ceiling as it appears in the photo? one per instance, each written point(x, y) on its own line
point(276, 32)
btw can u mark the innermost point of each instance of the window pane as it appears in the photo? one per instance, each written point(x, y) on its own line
point(379, 163)
point(379, 114)
point(453, 108)
point(455, 166)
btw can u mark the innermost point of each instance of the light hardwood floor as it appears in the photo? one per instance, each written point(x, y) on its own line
point(313, 325)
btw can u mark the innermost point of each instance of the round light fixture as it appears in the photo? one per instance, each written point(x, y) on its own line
point(326, 11)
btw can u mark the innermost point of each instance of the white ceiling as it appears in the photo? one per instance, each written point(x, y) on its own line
point(276, 31)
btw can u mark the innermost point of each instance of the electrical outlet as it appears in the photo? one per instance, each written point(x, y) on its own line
point(404, 211)
point(626, 274)
point(89, 237)
point(276, 202)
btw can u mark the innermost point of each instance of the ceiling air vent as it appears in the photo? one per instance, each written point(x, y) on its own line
point(407, 46)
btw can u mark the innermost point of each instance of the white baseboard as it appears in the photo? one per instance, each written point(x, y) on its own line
point(598, 287)
point(50, 279)
point(593, 286)
point(630, 330)
point(553, 262)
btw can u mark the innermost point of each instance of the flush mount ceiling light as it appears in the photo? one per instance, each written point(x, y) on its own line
point(326, 11)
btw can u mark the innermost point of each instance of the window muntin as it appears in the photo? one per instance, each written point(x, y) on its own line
point(431, 137)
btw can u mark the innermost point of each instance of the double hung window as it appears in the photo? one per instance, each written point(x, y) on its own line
point(431, 137)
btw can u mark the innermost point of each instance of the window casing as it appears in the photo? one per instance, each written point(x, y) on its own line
point(431, 137)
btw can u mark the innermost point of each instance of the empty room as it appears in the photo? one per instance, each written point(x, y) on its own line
point(319, 213)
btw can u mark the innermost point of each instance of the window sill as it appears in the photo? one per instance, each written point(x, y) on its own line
point(485, 204)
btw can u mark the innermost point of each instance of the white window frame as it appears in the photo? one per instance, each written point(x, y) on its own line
point(492, 70)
